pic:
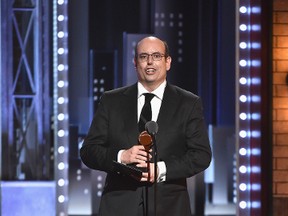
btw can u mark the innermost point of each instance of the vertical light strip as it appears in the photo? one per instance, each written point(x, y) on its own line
point(60, 103)
point(243, 108)
point(1, 76)
point(248, 103)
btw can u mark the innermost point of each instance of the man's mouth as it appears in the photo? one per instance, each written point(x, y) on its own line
point(150, 70)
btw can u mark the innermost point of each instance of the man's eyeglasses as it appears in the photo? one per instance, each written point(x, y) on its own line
point(143, 57)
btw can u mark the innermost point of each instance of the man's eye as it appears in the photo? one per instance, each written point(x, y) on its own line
point(156, 55)
point(143, 56)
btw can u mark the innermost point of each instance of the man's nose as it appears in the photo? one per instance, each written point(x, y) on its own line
point(149, 59)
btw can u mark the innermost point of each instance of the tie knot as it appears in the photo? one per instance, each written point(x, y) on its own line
point(148, 97)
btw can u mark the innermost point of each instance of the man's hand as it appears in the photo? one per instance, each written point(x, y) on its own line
point(136, 154)
point(148, 176)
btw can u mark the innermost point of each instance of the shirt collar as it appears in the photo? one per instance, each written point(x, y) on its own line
point(159, 92)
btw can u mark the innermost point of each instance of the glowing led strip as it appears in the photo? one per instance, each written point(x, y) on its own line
point(60, 103)
point(245, 115)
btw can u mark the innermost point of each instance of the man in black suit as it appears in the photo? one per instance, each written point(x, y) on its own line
point(183, 148)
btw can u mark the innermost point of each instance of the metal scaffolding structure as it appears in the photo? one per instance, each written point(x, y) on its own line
point(25, 122)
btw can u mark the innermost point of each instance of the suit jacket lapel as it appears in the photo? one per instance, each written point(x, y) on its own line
point(168, 107)
point(130, 113)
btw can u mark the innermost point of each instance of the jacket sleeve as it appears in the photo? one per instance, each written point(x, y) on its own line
point(96, 151)
point(192, 153)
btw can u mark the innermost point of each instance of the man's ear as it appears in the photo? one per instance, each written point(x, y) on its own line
point(168, 63)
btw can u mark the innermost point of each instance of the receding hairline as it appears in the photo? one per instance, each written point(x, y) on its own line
point(156, 39)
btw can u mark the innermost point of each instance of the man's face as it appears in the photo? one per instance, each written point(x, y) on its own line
point(151, 64)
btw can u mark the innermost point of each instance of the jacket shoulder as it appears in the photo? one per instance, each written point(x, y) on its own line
point(125, 90)
point(183, 92)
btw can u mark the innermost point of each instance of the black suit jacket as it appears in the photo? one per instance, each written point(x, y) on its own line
point(182, 143)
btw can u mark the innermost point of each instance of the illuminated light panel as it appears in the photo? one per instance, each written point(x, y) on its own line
point(256, 98)
point(60, 18)
point(243, 204)
point(247, 80)
point(61, 182)
point(243, 151)
point(256, 45)
point(243, 81)
point(256, 134)
point(60, 83)
point(256, 10)
point(61, 100)
point(243, 27)
point(61, 199)
point(243, 116)
point(243, 63)
point(256, 81)
point(243, 134)
point(256, 63)
point(60, 34)
point(61, 133)
point(256, 205)
point(243, 98)
point(61, 67)
point(61, 116)
point(243, 187)
point(243, 169)
point(60, 2)
point(256, 187)
point(61, 166)
point(243, 45)
point(256, 151)
point(61, 149)
point(60, 103)
point(243, 9)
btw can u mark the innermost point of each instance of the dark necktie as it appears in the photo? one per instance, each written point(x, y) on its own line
point(146, 113)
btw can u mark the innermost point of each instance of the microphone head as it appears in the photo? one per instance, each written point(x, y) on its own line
point(151, 127)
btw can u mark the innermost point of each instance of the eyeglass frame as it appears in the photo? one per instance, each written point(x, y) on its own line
point(147, 55)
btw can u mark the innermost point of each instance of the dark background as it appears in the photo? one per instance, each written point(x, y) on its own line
point(208, 46)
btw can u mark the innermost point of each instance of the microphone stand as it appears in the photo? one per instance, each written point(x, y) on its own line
point(152, 128)
point(146, 140)
point(155, 173)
